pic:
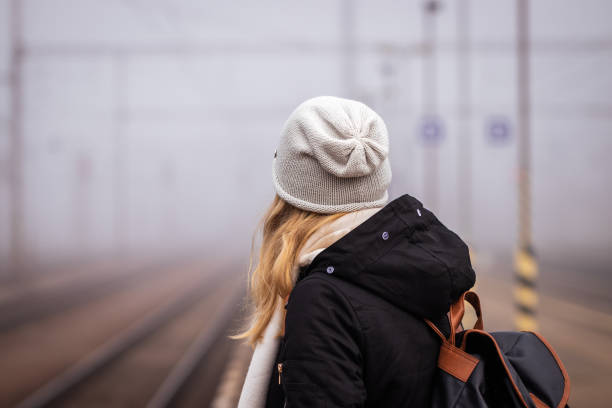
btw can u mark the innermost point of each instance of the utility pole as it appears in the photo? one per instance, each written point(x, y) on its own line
point(168, 191)
point(464, 105)
point(387, 102)
point(348, 39)
point(429, 95)
point(387, 73)
point(525, 261)
point(120, 152)
point(17, 250)
point(82, 202)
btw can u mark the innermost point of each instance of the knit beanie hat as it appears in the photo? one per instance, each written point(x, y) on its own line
point(332, 157)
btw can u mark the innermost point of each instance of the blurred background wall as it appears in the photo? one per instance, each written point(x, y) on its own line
point(150, 125)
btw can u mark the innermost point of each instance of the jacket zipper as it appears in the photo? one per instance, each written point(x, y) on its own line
point(280, 371)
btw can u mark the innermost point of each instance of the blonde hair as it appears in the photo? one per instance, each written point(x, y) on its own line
point(285, 231)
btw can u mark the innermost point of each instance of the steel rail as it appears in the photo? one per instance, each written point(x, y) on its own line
point(18, 312)
point(197, 352)
point(119, 344)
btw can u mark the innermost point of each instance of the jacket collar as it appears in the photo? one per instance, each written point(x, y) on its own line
point(329, 233)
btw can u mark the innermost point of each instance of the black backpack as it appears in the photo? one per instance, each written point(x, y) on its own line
point(501, 369)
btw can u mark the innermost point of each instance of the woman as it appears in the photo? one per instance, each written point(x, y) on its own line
point(344, 280)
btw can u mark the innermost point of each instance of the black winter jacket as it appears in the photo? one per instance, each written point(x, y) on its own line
point(354, 334)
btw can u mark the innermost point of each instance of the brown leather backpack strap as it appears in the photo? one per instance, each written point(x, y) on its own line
point(455, 315)
point(453, 360)
point(435, 329)
point(472, 299)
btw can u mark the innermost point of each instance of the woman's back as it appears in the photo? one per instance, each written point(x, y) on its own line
point(355, 334)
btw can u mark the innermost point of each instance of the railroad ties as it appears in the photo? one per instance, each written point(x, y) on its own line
point(154, 339)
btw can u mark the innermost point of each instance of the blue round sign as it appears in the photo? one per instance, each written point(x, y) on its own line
point(431, 130)
point(498, 131)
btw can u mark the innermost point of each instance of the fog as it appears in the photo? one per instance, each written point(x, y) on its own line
point(150, 126)
point(136, 149)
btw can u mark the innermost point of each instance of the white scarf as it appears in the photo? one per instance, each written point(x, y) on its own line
point(255, 388)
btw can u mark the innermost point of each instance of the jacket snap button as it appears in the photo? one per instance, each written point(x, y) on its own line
point(419, 212)
point(330, 269)
point(385, 235)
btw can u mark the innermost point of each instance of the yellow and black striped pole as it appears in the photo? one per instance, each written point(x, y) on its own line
point(526, 267)
point(525, 294)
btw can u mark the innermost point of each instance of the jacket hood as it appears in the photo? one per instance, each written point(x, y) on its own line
point(403, 254)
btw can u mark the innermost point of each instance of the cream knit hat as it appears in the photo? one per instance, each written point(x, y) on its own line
point(332, 157)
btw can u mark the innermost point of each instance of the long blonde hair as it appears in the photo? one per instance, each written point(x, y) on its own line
point(285, 231)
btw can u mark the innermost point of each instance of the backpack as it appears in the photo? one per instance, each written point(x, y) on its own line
point(500, 369)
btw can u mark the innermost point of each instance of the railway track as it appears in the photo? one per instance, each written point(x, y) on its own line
point(33, 305)
point(152, 360)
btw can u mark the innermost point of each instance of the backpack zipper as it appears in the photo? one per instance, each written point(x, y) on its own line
point(280, 371)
